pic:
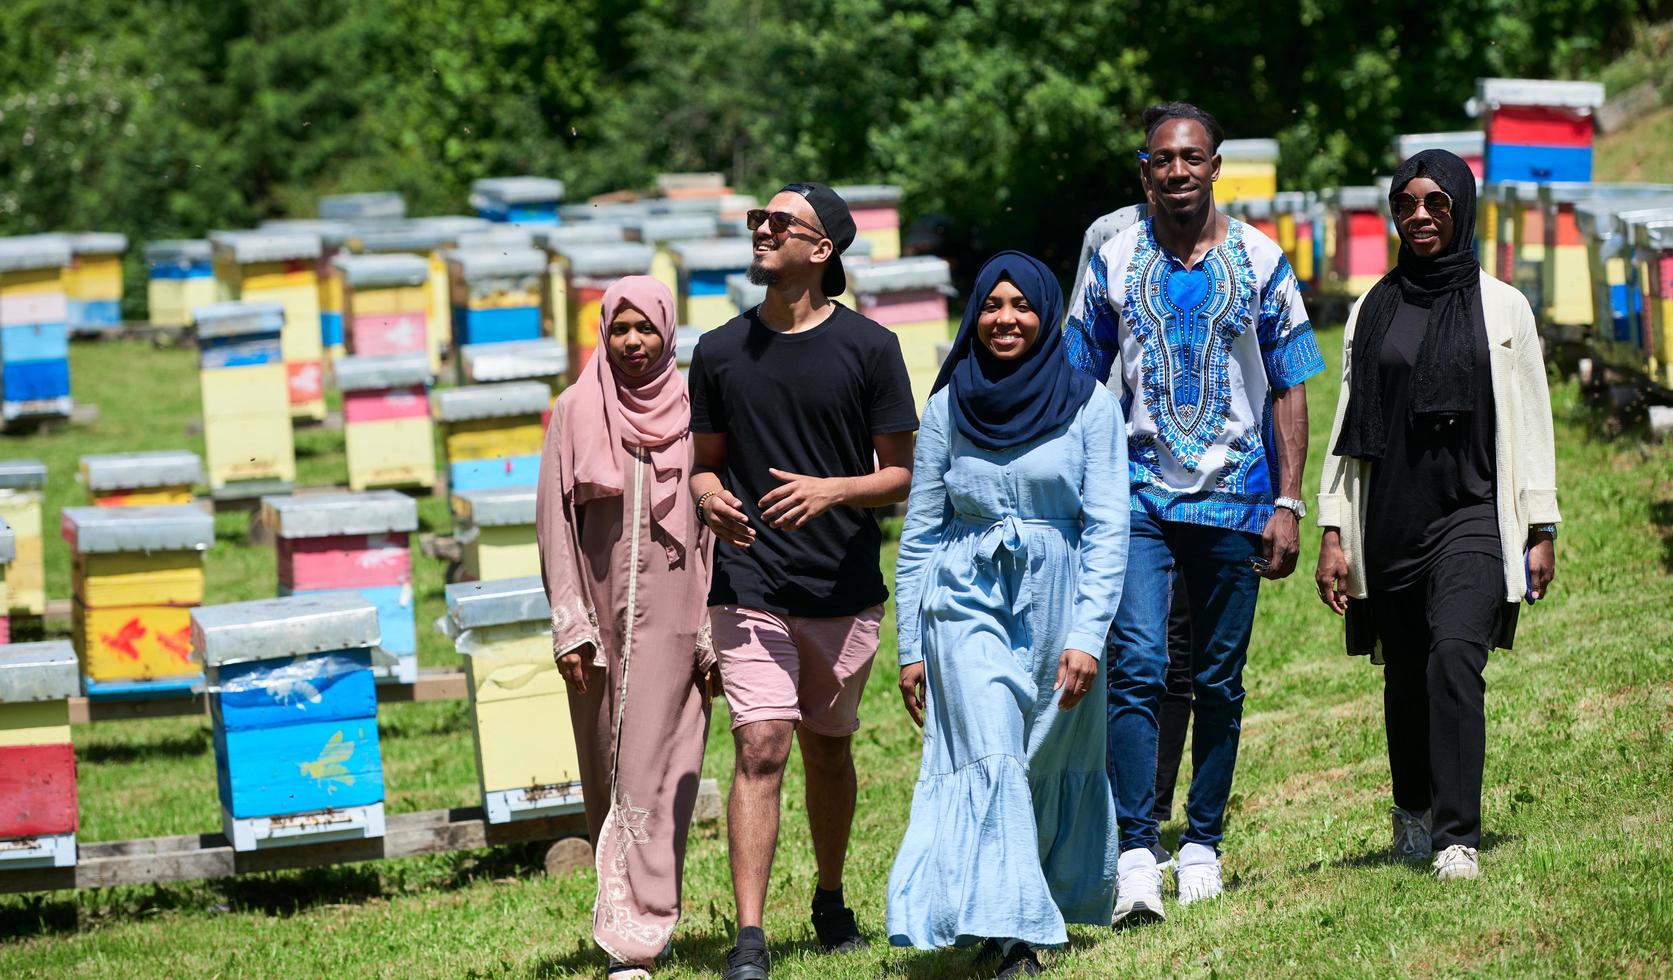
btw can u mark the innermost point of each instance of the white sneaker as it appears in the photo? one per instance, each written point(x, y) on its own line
point(1138, 888)
point(1197, 873)
point(1411, 835)
point(1457, 862)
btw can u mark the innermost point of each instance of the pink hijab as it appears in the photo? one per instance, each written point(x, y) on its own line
point(652, 411)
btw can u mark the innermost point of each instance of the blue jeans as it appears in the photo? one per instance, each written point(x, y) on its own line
point(1221, 587)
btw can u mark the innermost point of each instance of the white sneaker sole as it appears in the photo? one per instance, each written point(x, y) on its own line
point(1140, 914)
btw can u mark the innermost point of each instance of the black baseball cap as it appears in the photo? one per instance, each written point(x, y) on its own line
point(834, 217)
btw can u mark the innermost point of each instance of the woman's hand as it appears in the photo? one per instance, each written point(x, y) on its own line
point(1075, 672)
point(1542, 563)
point(711, 681)
point(1332, 573)
point(912, 691)
point(572, 667)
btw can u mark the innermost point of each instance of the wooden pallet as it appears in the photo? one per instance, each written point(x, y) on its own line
point(188, 857)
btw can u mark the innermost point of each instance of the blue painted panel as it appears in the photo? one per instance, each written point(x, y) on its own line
point(1620, 312)
point(1542, 164)
point(27, 381)
point(495, 326)
point(96, 313)
point(331, 328)
point(486, 474)
point(533, 214)
point(182, 269)
point(241, 353)
point(268, 772)
point(35, 342)
point(708, 282)
point(396, 625)
point(163, 687)
point(316, 688)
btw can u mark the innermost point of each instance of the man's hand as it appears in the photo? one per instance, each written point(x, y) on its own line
point(572, 666)
point(912, 691)
point(724, 515)
point(1280, 543)
point(798, 499)
point(1332, 573)
point(1542, 564)
point(1075, 673)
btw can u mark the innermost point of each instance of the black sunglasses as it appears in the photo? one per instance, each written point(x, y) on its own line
point(1405, 205)
point(778, 222)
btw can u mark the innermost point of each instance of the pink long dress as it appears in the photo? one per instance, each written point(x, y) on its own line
point(641, 725)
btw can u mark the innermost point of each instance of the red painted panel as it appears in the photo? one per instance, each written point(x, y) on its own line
point(377, 406)
point(389, 333)
point(306, 381)
point(1539, 126)
point(876, 218)
point(347, 561)
point(1568, 230)
point(37, 790)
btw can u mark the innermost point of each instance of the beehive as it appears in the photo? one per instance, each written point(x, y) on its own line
point(525, 746)
point(246, 405)
point(492, 434)
point(517, 360)
point(1651, 351)
point(519, 200)
point(592, 270)
point(703, 268)
point(1659, 243)
point(137, 573)
point(1469, 144)
point(94, 281)
point(1248, 168)
point(1565, 280)
point(358, 542)
point(1361, 238)
point(336, 238)
point(34, 328)
point(496, 529)
point(22, 486)
point(685, 345)
point(385, 303)
point(38, 817)
point(1258, 213)
point(495, 294)
point(281, 267)
point(387, 433)
point(876, 212)
point(431, 237)
point(368, 206)
point(142, 479)
point(662, 231)
point(295, 718)
point(1538, 130)
point(909, 296)
point(554, 305)
point(179, 279)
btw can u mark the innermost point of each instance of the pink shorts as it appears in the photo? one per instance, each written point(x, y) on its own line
point(802, 669)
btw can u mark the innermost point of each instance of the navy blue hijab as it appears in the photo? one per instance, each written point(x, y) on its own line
point(1001, 404)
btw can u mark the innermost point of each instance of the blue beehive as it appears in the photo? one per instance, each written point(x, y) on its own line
point(294, 711)
point(34, 327)
point(521, 200)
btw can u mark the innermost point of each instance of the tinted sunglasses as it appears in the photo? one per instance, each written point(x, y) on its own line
point(778, 222)
point(1405, 205)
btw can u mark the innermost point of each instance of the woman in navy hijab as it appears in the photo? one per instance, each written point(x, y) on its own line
point(1010, 567)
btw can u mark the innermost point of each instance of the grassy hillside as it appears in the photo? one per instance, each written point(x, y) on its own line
point(1640, 152)
point(1576, 857)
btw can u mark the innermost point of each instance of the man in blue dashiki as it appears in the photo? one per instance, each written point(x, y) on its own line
point(1196, 320)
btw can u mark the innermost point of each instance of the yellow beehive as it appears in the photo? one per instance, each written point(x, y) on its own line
point(246, 404)
point(388, 435)
point(22, 484)
point(496, 528)
point(180, 279)
point(876, 212)
point(281, 267)
point(1248, 168)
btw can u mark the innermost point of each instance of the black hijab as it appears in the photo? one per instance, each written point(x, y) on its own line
point(1449, 286)
point(999, 404)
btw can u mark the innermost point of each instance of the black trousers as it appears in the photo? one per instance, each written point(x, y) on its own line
point(1435, 636)
point(1175, 716)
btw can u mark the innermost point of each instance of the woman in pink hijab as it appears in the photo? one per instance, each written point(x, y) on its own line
point(626, 566)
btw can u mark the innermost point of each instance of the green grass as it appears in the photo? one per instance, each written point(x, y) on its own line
point(1577, 861)
point(1639, 152)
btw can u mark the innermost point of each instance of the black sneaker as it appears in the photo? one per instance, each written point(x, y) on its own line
point(990, 952)
point(836, 929)
point(746, 963)
point(1019, 962)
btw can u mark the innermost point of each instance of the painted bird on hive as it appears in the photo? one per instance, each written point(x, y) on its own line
point(123, 642)
point(328, 768)
point(178, 643)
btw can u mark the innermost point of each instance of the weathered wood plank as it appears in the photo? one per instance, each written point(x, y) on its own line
point(433, 684)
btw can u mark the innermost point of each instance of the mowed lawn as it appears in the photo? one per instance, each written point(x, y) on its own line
point(1577, 863)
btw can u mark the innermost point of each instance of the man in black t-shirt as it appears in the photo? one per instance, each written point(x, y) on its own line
point(803, 418)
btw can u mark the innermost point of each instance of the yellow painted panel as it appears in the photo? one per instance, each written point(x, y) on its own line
point(394, 299)
point(253, 389)
point(1569, 295)
point(22, 511)
point(505, 299)
point(512, 662)
point(147, 497)
point(391, 453)
point(250, 447)
point(440, 309)
point(919, 343)
point(331, 293)
point(665, 270)
point(171, 301)
point(263, 276)
point(1236, 187)
point(525, 742)
point(95, 278)
point(18, 282)
point(885, 243)
point(517, 435)
point(35, 723)
point(26, 575)
point(134, 642)
point(554, 314)
point(705, 311)
point(139, 578)
point(502, 552)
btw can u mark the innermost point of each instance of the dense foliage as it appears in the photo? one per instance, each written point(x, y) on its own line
point(1015, 121)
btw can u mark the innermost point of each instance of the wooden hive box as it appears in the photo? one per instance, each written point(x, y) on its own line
point(138, 570)
point(38, 817)
point(541, 360)
point(337, 237)
point(492, 434)
point(141, 479)
point(179, 279)
point(22, 486)
point(1642, 256)
point(388, 436)
point(1565, 288)
point(1538, 130)
point(1248, 168)
point(94, 281)
point(876, 211)
point(246, 401)
point(661, 231)
point(495, 293)
point(1361, 238)
point(432, 238)
point(34, 328)
point(525, 747)
point(909, 296)
point(522, 200)
point(554, 300)
point(592, 270)
point(496, 528)
point(1660, 243)
point(8, 553)
point(385, 303)
point(268, 266)
point(359, 543)
point(295, 718)
point(703, 268)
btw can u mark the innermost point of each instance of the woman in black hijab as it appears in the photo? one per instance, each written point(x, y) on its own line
point(1438, 502)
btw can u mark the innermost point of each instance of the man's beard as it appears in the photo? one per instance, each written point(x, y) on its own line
point(759, 276)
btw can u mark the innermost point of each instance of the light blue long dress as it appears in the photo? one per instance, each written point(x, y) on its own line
point(1007, 559)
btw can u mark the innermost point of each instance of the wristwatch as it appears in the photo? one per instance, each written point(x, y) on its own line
point(1550, 529)
point(1292, 505)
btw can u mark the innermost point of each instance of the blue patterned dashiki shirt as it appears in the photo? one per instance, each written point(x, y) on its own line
point(1199, 353)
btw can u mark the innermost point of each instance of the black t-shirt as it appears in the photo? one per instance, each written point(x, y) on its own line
point(806, 403)
point(1432, 491)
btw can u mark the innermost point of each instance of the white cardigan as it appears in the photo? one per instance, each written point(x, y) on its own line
point(1524, 454)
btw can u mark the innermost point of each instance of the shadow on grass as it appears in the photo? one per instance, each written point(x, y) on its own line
point(698, 952)
point(189, 745)
point(287, 893)
point(1661, 516)
point(37, 915)
point(1378, 857)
